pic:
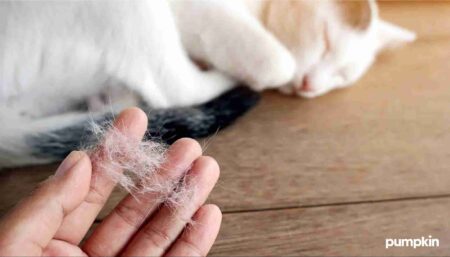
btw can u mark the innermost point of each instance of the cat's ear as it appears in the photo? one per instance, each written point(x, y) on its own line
point(358, 15)
point(390, 35)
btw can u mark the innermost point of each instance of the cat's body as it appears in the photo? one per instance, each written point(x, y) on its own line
point(56, 54)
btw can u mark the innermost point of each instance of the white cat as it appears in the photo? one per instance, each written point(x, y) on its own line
point(57, 54)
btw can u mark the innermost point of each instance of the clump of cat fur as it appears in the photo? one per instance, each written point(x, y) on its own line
point(136, 166)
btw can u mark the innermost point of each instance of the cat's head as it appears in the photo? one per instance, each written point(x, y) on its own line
point(333, 42)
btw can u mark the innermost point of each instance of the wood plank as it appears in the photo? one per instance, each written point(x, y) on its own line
point(15, 184)
point(349, 230)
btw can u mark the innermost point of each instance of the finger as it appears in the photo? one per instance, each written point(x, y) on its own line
point(197, 239)
point(62, 248)
point(165, 226)
point(111, 236)
point(133, 123)
point(32, 224)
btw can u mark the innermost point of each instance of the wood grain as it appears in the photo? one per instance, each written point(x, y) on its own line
point(356, 230)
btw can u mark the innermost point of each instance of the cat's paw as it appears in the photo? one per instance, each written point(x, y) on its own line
point(276, 69)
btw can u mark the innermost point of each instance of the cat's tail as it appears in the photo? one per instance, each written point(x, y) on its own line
point(50, 140)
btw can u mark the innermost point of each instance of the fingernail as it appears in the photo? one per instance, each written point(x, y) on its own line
point(70, 161)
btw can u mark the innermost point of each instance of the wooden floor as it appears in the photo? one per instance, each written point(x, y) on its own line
point(339, 174)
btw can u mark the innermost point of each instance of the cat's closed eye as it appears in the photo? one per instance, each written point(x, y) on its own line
point(326, 40)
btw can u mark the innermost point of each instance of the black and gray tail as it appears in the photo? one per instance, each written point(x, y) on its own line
point(52, 139)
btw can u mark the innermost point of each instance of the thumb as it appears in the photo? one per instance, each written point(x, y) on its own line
point(33, 222)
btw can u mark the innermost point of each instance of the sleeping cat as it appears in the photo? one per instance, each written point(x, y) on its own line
point(58, 55)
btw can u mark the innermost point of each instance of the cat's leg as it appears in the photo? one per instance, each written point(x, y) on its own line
point(158, 67)
point(227, 36)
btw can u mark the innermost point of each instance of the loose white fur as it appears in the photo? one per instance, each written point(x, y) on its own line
point(56, 54)
point(136, 166)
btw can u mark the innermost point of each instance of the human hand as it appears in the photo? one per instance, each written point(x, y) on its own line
point(56, 217)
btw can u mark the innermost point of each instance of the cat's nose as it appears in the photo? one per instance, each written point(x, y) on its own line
point(305, 86)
